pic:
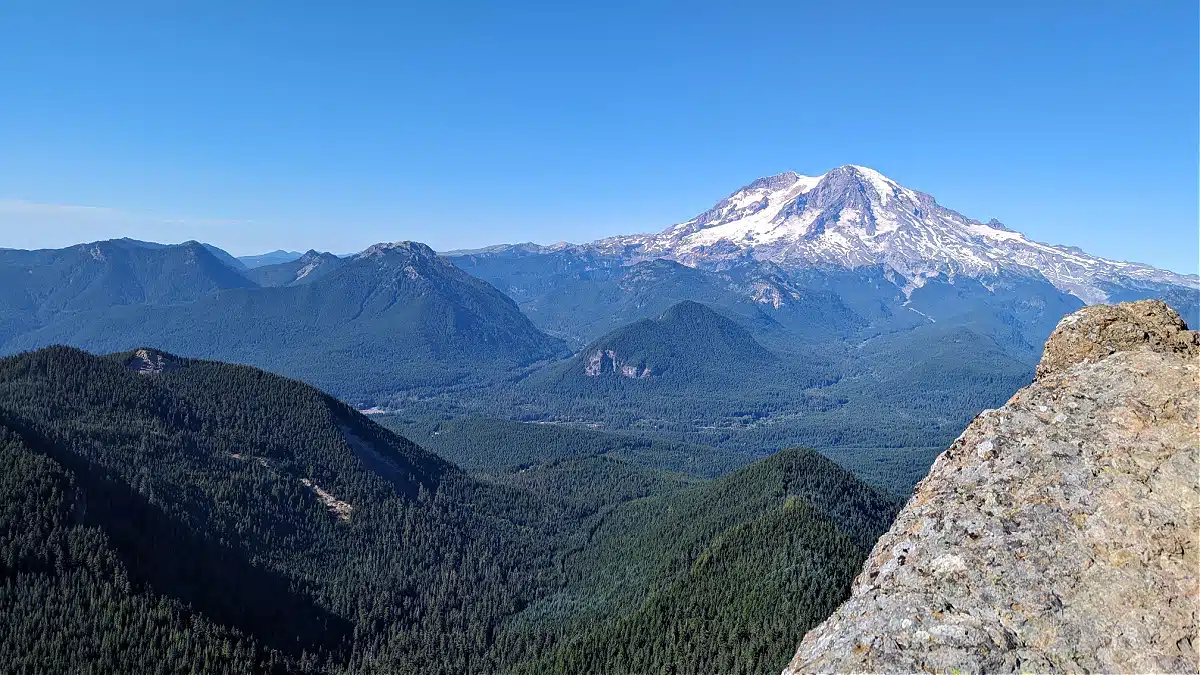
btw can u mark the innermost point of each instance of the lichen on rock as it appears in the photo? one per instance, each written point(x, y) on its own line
point(1058, 533)
point(1093, 333)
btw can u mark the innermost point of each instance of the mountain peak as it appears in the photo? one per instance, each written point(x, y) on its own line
point(689, 310)
point(688, 339)
point(854, 216)
point(777, 182)
point(871, 182)
point(313, 255)
point(411, 248)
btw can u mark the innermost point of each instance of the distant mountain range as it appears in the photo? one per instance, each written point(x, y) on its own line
point(608, 477)
point(272, 258)
point(395, 317)
point(895, 319)
point(787, 314)
point(42, 287)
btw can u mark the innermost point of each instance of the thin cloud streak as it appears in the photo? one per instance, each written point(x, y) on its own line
point(27, 224)
point(23, 207)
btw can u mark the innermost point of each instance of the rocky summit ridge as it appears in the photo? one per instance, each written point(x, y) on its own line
point(1058, 533)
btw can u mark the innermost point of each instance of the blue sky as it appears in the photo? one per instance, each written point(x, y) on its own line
point(296, 126)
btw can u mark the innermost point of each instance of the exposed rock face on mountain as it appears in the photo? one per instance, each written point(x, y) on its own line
point(603, 361)
point(150, 361)
point(1058, 533)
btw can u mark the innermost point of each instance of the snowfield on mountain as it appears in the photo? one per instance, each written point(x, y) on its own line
point(853, 216)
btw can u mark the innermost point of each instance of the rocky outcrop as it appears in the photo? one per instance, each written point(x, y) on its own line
point(150, 362)
point(1058, 533)
point(1094, 333)
point(603, 361)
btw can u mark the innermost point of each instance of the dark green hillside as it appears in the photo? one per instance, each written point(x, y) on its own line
point(202, 486)
point(720, 577)
point(164, 515)
point(396, 317)
point(688, 342)
point(591, 484)
point(67, 602)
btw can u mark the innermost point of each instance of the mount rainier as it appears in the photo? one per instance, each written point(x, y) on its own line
point(790, 240)
point(853, 216)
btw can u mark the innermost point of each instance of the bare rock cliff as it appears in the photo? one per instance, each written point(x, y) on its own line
point(1058, 533)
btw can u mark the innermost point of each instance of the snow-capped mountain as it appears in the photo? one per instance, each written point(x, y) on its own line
point(853, 217)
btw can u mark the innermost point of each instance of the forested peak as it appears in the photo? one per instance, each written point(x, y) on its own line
point(823, 483)
point(689, 340)
point(759, 554)
point(689, 318)
point(216, 512)
point(690, 311)
point(792, 468)
point(688, 325)
point(210, 397)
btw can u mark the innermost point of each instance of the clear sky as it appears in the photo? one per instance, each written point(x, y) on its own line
point(335, 125)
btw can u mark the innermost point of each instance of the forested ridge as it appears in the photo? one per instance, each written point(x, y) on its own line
point(720, 577)
point(170, 515)
point(845, 363)
point(195, 477)
point(395, 317)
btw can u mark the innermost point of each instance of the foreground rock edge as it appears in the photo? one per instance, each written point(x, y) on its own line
point(1058, 533)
